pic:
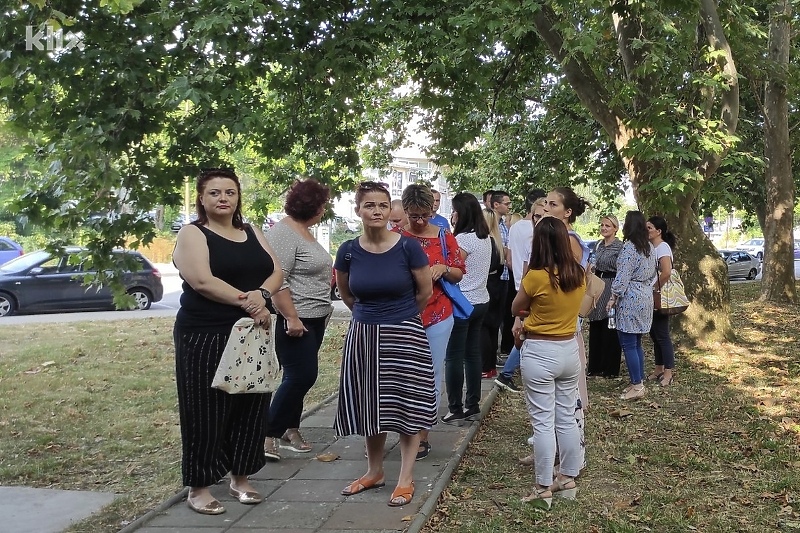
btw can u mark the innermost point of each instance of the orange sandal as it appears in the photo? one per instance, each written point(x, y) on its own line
point(361, 484)
point(402, 493)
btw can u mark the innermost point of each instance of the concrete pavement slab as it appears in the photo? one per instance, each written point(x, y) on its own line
point(30, 510)
point(303, 494)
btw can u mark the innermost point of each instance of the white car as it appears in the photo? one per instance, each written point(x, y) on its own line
point(754, 247)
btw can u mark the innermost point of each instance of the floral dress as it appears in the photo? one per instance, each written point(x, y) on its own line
point(439, 306)
point(633, 287)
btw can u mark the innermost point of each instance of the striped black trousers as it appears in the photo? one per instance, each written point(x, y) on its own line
point(220, 432)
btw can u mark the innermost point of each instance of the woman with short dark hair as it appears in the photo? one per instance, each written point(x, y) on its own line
point(387, 374)
point(304, 306)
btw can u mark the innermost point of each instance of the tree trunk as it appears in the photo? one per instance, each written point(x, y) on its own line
point(778, 276)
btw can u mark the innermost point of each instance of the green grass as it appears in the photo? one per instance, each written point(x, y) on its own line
point(718, 451)
point(93, 406)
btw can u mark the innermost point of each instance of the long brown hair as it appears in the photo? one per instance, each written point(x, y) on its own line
point(551, 251)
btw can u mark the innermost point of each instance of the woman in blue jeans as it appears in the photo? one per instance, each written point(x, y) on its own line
point(304, 306)
point(632, 295)
point(463, 359)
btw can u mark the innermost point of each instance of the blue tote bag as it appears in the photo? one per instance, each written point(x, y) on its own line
point(462, 309)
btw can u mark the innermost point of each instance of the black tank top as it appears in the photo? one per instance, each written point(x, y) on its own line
point(244, 265)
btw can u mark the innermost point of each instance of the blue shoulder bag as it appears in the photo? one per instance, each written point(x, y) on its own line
point(462, 309)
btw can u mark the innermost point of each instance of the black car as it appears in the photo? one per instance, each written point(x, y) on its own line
point(41, 282)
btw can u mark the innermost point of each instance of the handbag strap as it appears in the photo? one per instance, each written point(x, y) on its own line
point(443, 244)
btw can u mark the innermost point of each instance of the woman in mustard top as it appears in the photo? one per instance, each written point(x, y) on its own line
point(550, 294)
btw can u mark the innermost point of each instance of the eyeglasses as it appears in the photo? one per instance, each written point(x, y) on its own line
point(417, 218)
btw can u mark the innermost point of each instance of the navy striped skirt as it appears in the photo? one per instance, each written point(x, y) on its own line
point(387, 380)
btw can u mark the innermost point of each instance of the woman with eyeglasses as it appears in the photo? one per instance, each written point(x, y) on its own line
point(446, 263)
point(387, 380)
point(604, 350)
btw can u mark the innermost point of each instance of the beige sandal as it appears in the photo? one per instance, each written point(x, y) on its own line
point(540, 497)
point(293, 440)
point(271, 449)
point(564, 488)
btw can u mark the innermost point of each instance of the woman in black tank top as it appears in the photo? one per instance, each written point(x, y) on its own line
point(229, 272)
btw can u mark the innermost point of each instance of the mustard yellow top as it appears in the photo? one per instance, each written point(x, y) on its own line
point(552, 311)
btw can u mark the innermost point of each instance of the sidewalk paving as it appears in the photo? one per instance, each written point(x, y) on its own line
point(303, 494)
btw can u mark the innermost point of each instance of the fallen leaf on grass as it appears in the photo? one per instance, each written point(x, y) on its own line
point(654, 405)
point(48, 363)
point(408, 518)
point(620, 413)
point(327, 457)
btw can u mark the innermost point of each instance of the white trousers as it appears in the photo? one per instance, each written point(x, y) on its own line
point(550, 371)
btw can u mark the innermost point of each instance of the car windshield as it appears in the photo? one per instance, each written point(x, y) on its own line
point(24, 262)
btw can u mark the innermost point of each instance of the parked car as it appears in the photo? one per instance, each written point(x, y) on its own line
point(740, 264)
point(9, 250)
point(42, 282)
point(754, 247)
point(182, 221)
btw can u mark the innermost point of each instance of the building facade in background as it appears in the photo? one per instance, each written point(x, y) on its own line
point(408, 166)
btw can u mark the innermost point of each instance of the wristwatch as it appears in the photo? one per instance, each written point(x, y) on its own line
point(265, 294)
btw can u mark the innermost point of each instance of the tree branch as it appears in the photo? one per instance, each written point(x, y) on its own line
point(729, 114)
point(580, 76)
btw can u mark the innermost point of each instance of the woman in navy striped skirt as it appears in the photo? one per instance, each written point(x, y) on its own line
point(387, 381)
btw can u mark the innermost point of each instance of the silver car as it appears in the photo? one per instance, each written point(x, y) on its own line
point(740, 264)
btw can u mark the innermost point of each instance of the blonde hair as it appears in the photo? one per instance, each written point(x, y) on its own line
point(493, 222)
point(611, 218)
point(513, 219)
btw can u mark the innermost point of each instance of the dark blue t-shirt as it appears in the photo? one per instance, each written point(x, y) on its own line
point(382, 284)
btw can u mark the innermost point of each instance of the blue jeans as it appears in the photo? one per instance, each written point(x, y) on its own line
point(298, 357)
point(463, 361)
point(438, 337)
point(631, 344)
point(512, 363)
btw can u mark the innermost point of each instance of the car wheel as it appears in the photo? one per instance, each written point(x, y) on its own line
point(7, 305)
point(335, 293)
point(142, 299)
point(752, 274)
